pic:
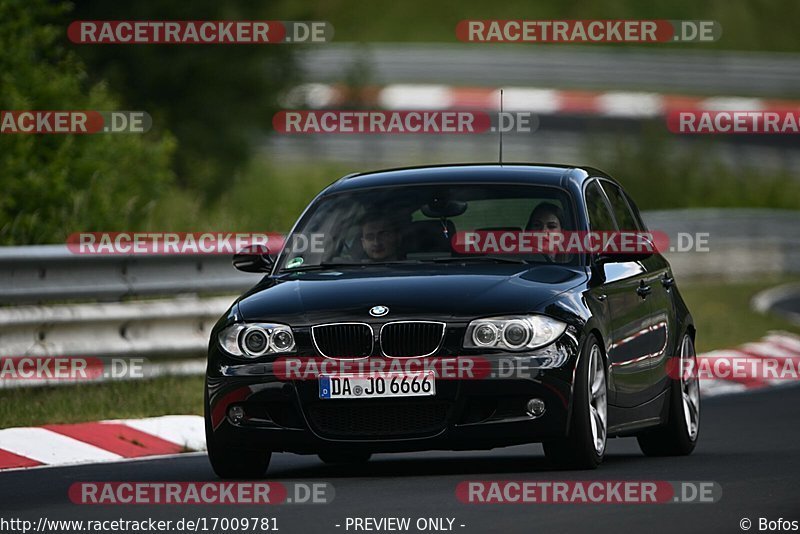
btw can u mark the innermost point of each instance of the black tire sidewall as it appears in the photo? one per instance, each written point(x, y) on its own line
point(230, 462)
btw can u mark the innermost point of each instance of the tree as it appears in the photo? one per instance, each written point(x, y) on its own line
point(52, 185)
point(218, 100)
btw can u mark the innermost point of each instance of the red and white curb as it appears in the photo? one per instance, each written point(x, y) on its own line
point(776, 346)
point(122, 439)
point(545, 101)
point(103, 441)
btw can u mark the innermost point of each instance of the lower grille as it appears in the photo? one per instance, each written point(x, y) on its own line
point(356, 419)
point(343, 340)
point(411, 338)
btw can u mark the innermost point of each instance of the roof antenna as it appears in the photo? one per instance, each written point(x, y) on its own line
point(500, 126)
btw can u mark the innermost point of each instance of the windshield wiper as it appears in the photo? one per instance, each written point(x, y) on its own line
point(318, 267)
point(449, 259)
point(494, 259)
point(326, 265)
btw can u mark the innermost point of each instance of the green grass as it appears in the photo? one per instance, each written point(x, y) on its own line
point(746, 24)
point(93, 402)
point(686, 177)
point(268, 197)
point(722, 312)
point(263, 198)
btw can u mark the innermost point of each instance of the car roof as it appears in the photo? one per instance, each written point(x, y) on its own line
point(565, 176)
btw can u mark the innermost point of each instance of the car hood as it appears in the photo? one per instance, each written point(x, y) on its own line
point(438, 291)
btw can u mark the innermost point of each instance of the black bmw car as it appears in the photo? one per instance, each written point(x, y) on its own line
point(573, 347)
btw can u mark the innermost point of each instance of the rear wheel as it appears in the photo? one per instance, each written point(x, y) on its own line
point(678, 436)
point(585, 445)
point(344, 457)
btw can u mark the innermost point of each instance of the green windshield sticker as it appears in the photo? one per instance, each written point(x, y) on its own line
point(294, 262)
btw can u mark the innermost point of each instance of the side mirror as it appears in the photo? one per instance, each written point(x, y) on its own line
point(253, 259)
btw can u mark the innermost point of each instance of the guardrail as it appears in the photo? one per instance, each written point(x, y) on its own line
point(155, 328)
point(159, 330)
point(742, 243)
point(51, 273)
point(765, 74)
point(155, 331)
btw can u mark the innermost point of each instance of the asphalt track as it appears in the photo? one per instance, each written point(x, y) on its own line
point(749, 445)
point(789, 306)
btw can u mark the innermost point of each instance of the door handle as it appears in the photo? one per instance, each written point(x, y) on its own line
point(667, 281)
point(643, 290)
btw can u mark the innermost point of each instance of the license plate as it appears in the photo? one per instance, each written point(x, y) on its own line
point(377, 386)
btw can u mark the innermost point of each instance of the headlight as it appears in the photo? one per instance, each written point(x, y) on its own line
point(513, 333)
point(485, 335)
point(257, 339)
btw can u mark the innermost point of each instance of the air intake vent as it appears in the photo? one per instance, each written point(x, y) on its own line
point(343, 340)
point(360, 419)
point(406, 339)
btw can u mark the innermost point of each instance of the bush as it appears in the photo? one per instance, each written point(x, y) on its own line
point(57, 184)
point(660, 173)
point(217, 100)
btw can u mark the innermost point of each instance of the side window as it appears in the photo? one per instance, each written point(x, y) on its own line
point(632, 204)
point(622, 212)
point(599, 216)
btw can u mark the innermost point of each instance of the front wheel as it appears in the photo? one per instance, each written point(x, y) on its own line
point(238, 463)
point(585, 445)
point(678, 436)
point(231, 462)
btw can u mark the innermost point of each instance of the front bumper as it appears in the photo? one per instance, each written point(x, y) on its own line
point(465, 414)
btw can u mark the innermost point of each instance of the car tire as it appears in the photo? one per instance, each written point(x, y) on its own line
point(232, 462)
point(238, 463)
point(585, 443)
point(678, 437)
point(344, 457)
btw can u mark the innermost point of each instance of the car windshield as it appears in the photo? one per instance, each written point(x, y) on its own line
point(424, 224)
